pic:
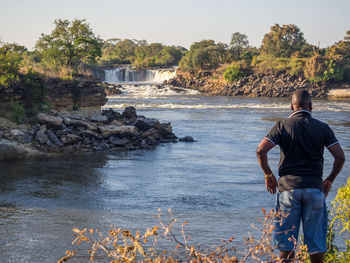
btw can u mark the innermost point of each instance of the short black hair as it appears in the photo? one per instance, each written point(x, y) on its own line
point(301, 98)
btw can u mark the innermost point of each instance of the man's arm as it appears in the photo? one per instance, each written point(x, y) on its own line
point(270, 180)
point(339, 159)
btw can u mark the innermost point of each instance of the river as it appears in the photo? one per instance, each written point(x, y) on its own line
point(214, 183)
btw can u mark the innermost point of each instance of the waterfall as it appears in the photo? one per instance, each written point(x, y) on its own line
point(126, 75)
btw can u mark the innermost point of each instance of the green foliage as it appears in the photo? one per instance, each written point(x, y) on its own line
point(76, 94)
point(283, 41)
point(238, 43)
point(234, 73)
point(319, 68)
point(69, 44)
point(347, 36)
point(34, 93)
point(139, 53)
point(10, 63)
point(346, 75)
point(18, 113)
point(266, 63)
point(341, 220)
point(341, 48)
point(296, 66)
point(204, 55)
point(341, 207)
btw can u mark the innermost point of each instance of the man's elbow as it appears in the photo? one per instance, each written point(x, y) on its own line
point(340, 158)
point(260, 152)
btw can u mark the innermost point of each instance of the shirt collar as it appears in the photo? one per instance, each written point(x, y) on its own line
point(299, 111)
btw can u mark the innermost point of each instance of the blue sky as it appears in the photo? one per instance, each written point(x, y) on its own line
point(177, 22)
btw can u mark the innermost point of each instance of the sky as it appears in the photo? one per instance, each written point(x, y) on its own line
point(177, 22)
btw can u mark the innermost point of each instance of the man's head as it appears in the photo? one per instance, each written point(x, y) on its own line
point(301, 100)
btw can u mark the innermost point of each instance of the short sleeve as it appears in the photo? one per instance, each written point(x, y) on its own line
point(330, 138)
point(274, 135)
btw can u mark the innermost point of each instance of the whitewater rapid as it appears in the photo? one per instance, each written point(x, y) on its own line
point(128, 75)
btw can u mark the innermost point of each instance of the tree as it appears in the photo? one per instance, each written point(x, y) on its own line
point(10, 63)
point(238, 43)
point(347, 37)
point(204, 55)
point(69, 44)
point(283, 41)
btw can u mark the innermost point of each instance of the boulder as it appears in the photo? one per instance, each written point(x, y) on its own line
point(42, 138)
point(91, 134)
point(151, 132)
point(70, 138)
point(99, 118)
point(49, 120)
point(119, 142)
point(144, 124)
point(111, 115)
point(187, 139)
point(20, 136)
point(129, 113)
point(53, 138)
point(109, 130)
point(12, 151)
point(80, 123)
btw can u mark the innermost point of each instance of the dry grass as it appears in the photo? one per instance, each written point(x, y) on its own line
point(339, 93)
point(120, 245)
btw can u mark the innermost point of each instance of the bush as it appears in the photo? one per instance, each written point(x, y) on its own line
point(18, 113)
point(234, 73)
point(35, 92)
point(340, 221)
point(10, 63)
point(346, 75)
point(120, 245)
point(297, 66)
point(319, 68)
point(266, 63)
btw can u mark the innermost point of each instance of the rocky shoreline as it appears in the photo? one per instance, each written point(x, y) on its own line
point(57, 134)
point(272, 84)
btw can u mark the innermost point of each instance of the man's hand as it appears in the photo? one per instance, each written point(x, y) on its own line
point(270, 180)
point(271, 183)
point(326, 187)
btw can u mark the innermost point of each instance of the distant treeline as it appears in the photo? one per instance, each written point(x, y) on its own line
point(73, 49)
point(283, 49)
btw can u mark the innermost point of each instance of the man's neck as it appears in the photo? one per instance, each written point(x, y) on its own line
point(300, 111)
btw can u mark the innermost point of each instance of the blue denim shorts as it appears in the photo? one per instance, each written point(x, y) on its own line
point(306, 205)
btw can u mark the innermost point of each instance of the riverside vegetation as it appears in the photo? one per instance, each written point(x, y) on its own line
point(59, 73)
point(283, 62)
point(73, 50)
point(120, 245)
point(55, 98)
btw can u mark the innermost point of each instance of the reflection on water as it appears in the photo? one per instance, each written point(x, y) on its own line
point(215, 183)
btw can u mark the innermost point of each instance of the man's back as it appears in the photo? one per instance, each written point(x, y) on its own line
point(301, 190)
point(302, 140)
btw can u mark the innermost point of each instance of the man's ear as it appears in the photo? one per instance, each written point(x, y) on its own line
point(291, 106)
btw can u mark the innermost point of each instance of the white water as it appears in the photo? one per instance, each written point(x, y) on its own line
point(126, 75)
point(148, 96)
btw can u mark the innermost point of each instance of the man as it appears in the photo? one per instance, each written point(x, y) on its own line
point(301, 191)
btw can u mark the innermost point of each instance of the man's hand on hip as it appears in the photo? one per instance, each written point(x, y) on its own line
point(326, 187)
point(271, 183)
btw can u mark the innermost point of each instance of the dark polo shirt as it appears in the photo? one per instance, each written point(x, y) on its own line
point(302, 140)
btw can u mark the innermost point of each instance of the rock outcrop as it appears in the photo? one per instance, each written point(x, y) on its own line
point(273, 84)
point(57, 133)
point(66, 93)
point(14, 151)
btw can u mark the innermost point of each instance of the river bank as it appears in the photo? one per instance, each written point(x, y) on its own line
point(71, 121)
point(271, 84)
point(59, 133)
point(215, 184)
